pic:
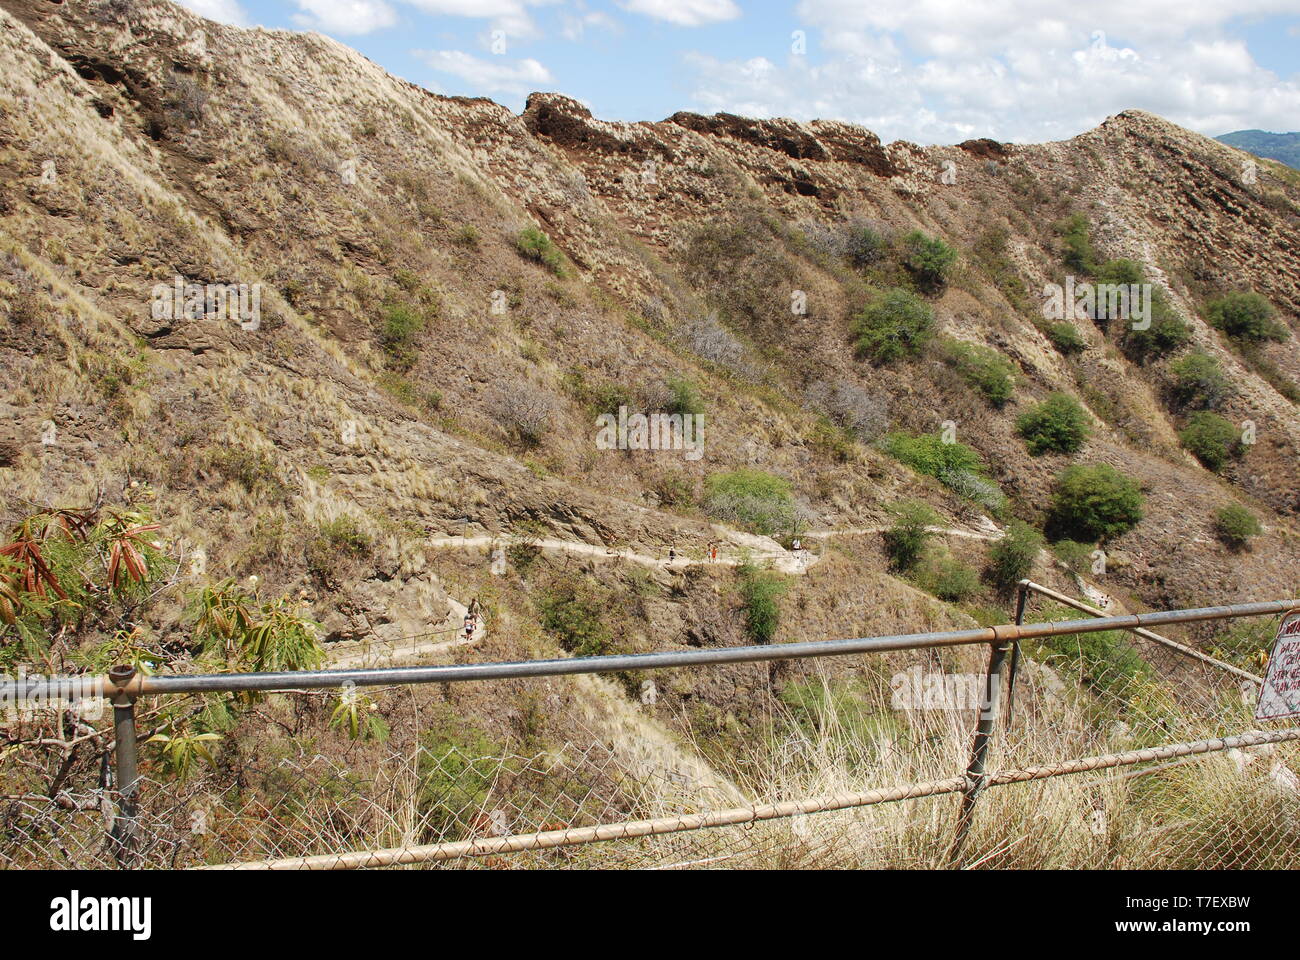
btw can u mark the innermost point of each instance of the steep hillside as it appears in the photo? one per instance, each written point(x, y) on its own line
point(452, 293)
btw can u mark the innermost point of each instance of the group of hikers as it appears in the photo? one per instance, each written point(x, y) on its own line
point(712, 553)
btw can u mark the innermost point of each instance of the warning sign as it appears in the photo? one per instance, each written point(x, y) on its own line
point(1280, 696)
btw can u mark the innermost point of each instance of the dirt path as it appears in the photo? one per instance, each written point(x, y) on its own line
point(387, 653)
point(757, 550)
point(784, 560)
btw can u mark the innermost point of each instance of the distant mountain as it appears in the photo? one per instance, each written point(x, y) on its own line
point(1276, 146)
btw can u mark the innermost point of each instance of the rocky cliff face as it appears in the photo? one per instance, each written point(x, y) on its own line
point(140, 144)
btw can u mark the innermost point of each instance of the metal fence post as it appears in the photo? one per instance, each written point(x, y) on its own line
point(1022, 597)
point(123, 832)
point(975, 772)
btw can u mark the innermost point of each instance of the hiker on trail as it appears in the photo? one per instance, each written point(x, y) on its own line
point(672, 555)
point(471, 619)
point(713, 552)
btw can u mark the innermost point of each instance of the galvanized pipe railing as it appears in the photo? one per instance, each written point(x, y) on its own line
point(33, 687)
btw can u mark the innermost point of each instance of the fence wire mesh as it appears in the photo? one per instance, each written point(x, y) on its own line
point(313, 805)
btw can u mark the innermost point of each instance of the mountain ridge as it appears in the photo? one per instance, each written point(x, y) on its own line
point(1283, 147)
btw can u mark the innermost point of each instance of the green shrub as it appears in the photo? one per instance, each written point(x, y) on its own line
point(895, 324)
point(1199, 382)
point(1235, 525)
point(533, 244)
point(572, 610)
point(1093, 503)
point(1059, 424)
point(954, 464)
point(991, 252)
point(751, 498)
point(458, 770)
point(1165, 334)
point(759, 591)
point(1245, 316)
point(1011, 559)
point(929, 259)
point(674, 490)
point(977, 489)
point(929, 454)
point(1120, 272)
point(254, 470)
point(684, 397)
point(603, 396)
point(1066, 338)
point(408, 280)
point(1076, 252)
point(402, 324)
point(948, 578)
point(337, 545)
point(1076, 556)
point(430, 401)
point(984, 369)
point(906, 539)
point(1210, 439)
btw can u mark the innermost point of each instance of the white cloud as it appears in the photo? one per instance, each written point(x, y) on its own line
point(573, 26)
point(511, 16)
point(514, 78)
point(1027, 70)
point(684, 13)
point(345, 16)
point(988, 26)
point(223, 11)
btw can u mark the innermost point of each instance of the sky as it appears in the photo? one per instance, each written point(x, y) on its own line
point(930, 71)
